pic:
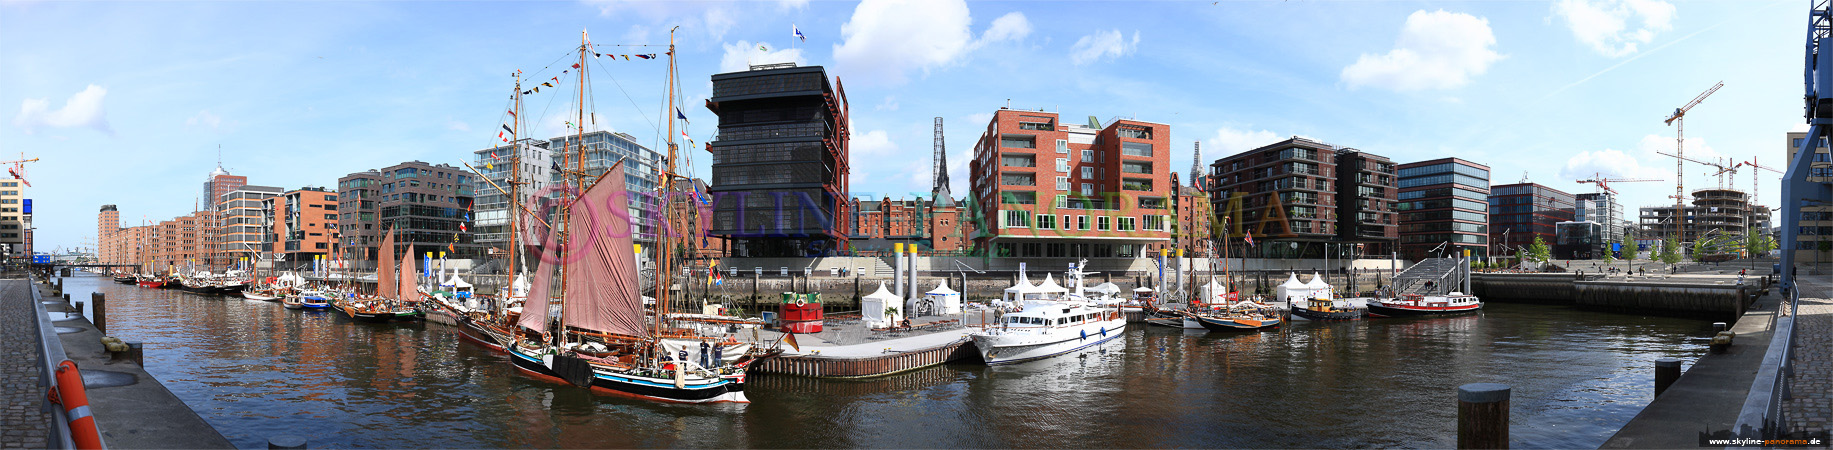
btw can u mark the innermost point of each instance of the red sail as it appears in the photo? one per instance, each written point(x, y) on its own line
point(385, 267)
point(535, 308)
point(409, 291)
point(601, 289)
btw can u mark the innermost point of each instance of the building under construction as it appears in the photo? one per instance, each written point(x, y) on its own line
point(1714, 212)
point(780, 162)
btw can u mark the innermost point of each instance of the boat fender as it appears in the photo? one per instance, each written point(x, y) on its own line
point(800, 301)
point(1104, 331)
point(680, 376)
point(1084, 334)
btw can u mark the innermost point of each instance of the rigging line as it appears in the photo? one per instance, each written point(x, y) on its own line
point(620, 88)
point(549, 107)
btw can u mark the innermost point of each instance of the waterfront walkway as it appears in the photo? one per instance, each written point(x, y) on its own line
point(23, 421)
point(1811, 388)
point(1709, 396)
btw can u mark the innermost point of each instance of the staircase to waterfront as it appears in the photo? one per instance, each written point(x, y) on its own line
point(1443, 274)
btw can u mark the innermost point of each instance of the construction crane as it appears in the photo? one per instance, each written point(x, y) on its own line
point(1604, 183)
point(1722, 168)
point(1680, 149)
point(1754, 167)
point(18, 169)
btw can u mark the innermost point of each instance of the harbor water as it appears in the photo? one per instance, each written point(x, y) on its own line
point(256, 370)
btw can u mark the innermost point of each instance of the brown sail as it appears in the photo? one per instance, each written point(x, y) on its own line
point(409, 291)
point(601, 289)
point(385, 267)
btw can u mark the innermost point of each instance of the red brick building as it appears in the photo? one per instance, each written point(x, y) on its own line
point(1051, 189)
point(304, 225)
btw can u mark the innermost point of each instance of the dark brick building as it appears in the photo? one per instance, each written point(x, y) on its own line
point(428, 204)
point(780, 161)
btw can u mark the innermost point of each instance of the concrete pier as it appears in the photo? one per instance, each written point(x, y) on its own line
point(1715, 296)
point(132, 409)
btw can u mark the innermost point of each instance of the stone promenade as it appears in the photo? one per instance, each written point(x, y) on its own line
point(1811, 404)
point(22, 415)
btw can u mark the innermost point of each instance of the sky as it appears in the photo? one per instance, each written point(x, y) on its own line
point(131, 103)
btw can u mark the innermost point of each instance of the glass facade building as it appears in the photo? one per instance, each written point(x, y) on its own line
point(1444, 209)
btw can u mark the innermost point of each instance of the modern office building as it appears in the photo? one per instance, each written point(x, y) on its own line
point(780, 162)
point(15, 218)
point(527, 162)
point(429, 205)
point(218, 183)
point(1444, 209)
point(1520, 212)
point(642, 173)
point(1302, 198)
point(304, 226)
point(1814, 237)
point(1603, 208)
point(1051, 189)
point(243, 227)
point(1366, 189)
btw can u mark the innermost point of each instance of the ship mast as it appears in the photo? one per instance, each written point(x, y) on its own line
point(515, 185)
point(664, 252)
point(576, 171)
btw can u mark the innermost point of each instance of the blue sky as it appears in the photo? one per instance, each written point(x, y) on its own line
point(127, 102)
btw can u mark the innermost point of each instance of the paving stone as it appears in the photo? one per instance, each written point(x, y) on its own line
point(1810, 406)
point(19, 367)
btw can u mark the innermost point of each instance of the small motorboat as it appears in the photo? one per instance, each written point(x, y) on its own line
point(255, 295)
point(1324, 308)
point(1424, 305)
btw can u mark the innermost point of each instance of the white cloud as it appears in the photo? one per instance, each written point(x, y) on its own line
point(875, 143)
point(792, 4)
point(718, 22)
point(1608, 163)
point(455, 125)
point(1103, 43)
point(81, 110)
point(1605, 25)
point(1697, 148)
point(206, 119)
point(1435, 50)
point(890, 104)
point(743, 54)
point(1010, 27)
point(885, 39)
point(1229, 141)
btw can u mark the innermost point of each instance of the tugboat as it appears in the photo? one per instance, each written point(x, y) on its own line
point(1324, 308)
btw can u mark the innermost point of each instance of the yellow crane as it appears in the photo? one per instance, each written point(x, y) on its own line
point(18, 169)
point(1680, 141)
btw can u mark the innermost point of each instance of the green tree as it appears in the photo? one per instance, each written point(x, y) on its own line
point(1538, 251)
point(1629, 246)
point(1758, 244)
point(1670, 251)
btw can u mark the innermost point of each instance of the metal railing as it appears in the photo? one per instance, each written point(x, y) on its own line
point(1763, 414)
point(52, 350)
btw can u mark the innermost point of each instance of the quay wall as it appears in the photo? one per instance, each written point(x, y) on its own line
point(1716, 298)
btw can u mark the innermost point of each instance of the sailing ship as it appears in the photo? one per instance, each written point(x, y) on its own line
point(605, 337)
point(387, 302)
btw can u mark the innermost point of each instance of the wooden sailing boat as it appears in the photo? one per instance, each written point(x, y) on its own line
point(378, 307)
point(604, 340)
point(492, 324)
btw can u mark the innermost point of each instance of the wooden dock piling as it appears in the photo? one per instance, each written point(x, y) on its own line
point(1482, 416)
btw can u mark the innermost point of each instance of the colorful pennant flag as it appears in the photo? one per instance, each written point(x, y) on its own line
point(506, 128)
point(575, 65)
point(680, 115)
point(797, 33)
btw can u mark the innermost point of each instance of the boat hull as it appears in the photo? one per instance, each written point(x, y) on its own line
point(998, 349)
point(1213, 323)
point(1380, 310)
point(1352, 314)
point(476, 331)
point(723, 390)
point(256, 296)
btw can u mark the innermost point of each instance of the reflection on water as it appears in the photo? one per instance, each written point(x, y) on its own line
point(255, 369)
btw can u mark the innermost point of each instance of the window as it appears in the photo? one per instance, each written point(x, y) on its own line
point(1063, 165)
point(1088, 173)
point(1088, 189)
point(1136, 167)
point(1082, 223)
point(1136, 149)
point(1103, 223)
point(1154, 222)
point(1018, 161)
point(1062, 185)
point(1088, 155)
point(1136, 184)
point(1062, 146)
point(1018, 179)
point(1014, 219)
point(1046, 222)
point(1126, 224)
point(1018, 141)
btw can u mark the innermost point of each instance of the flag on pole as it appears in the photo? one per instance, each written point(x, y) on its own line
point(790, 338)
point(680, 115)
point(797, 33)
point(1250, 239)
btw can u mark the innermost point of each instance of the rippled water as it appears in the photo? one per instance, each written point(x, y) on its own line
point(255, 370)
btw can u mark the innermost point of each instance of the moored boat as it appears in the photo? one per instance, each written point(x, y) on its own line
point(1424, 305)
point(1323, 308)
point(1046, 328)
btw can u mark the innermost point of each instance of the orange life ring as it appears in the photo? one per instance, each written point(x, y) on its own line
point(69, 392)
